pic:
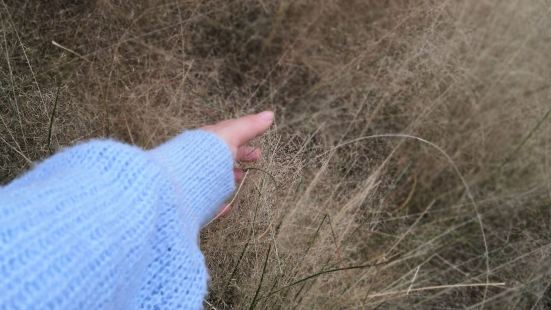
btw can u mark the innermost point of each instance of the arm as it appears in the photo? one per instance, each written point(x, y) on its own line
point(104, 224)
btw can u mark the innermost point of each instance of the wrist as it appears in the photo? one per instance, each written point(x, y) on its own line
point(200, 167)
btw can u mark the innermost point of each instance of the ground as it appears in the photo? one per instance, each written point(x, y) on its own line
point(409, 164)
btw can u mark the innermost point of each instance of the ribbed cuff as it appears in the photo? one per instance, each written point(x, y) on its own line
point(200, 166)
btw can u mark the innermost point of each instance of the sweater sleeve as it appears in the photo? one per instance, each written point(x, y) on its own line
point(105, 225)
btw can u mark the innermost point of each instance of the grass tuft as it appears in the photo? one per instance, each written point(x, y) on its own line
point(417, 132)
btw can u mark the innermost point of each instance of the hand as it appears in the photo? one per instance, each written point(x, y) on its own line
point(237, 133)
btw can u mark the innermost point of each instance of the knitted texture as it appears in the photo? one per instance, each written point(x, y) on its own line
point(104, 225)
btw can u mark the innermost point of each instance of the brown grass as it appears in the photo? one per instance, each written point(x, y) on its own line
point(409, 166)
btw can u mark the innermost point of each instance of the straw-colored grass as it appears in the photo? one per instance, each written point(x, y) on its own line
point(409, 166)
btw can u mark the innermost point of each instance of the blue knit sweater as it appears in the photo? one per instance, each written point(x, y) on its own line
point(104, 225)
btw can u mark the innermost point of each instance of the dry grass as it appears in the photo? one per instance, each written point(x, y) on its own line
point(409, 166)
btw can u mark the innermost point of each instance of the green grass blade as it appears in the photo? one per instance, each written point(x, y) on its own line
point(253, 303)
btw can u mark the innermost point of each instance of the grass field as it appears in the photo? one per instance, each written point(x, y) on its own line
point(409, 166)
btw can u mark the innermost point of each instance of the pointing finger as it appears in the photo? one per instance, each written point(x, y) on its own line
point(241, 130)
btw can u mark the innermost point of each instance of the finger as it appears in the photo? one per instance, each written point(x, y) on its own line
point(247, 154)
point(238, 175)
point(241, 130)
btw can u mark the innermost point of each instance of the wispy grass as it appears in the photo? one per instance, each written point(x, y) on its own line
point(409, 132)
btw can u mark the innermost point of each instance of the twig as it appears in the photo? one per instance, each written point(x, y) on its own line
point(70, 51)
point(413, 280)
point(52, 118)
point(436, 287)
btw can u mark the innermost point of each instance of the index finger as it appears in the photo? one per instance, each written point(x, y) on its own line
point(241, 130)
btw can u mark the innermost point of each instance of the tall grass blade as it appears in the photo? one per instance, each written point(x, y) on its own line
point(253, 303)
point(52, 119)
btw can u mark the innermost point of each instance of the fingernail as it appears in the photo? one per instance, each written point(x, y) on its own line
point(266, 115)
